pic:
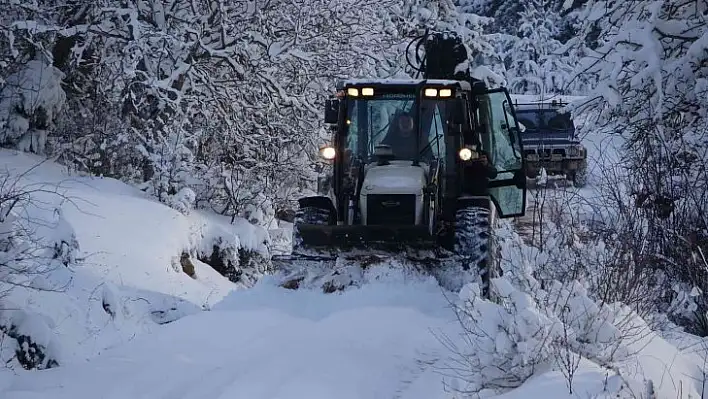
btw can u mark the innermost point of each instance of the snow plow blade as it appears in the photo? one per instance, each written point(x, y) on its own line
point(389, 238)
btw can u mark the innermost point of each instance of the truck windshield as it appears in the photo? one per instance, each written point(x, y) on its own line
point(390, 120)
point(535, 120)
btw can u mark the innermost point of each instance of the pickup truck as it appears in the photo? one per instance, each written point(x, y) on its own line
point(549, 138)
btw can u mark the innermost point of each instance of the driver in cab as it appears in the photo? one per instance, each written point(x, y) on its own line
point(401, 137)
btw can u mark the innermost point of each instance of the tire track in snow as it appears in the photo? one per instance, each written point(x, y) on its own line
point(414, 372)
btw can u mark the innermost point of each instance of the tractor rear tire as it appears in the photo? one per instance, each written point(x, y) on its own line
point(473, 241)
point(307, 215)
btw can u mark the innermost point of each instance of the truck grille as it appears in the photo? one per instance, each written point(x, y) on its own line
point(390, 209)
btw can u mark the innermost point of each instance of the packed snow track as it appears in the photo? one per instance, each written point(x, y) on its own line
point(270, 342)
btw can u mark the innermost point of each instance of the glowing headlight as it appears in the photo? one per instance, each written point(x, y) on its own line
point(353, 91)
point(367, 91)
point(328, 153)
point(465, 154)
point(445, 92)
point(431, 92)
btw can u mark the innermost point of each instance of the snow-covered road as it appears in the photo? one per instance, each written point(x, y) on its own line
point(375, 342)
point(380, 341)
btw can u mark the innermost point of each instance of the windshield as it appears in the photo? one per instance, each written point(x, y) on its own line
point(390, 120)
point(535, 120)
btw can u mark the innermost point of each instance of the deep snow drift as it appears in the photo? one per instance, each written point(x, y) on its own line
point(126, 277)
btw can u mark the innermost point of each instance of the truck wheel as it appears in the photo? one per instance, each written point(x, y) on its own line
point(580, 176)
point(472, 242)
point(307, 215)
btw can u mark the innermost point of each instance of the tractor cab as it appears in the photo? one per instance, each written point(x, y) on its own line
point(417, 135)
point(417, 164)
point(391, 121)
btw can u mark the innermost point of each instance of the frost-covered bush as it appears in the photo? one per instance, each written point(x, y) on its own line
point(239, 251)
point(29, 336)
point(508, 341)
point(531, 326)
point(26, 258)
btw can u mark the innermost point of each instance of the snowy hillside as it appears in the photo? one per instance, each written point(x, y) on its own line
point(127, 271)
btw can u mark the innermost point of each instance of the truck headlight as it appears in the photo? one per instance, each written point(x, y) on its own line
point(574, 151)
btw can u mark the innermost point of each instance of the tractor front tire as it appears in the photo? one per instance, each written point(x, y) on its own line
point(307, 215)
point(473, 241)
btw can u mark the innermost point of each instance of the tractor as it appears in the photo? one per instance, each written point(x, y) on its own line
point(425, 164)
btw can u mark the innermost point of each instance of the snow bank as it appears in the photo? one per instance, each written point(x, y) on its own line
point(125, 237)
point(555, 337)
point(125, 264)
point(235, 248)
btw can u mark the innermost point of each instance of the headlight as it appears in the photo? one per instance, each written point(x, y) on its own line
point(574, 151)
point(466, 154)
point(430, 92)
point(328, 153)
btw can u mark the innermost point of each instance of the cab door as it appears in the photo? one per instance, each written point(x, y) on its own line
point(497, 119)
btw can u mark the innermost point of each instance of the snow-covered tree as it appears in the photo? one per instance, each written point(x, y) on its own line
point(535, 68)
point(651, 62)
point(529, 38)
point(223, 96)
point(30, 101)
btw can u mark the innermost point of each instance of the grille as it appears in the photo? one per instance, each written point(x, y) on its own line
point(390, 209)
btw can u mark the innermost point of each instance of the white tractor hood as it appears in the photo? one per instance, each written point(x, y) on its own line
point(398, 177)
point(395, 178)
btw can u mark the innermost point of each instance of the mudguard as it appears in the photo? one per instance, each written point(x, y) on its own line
point(474, 201)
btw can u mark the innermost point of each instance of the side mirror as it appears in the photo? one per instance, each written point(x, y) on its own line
point(332, 111)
